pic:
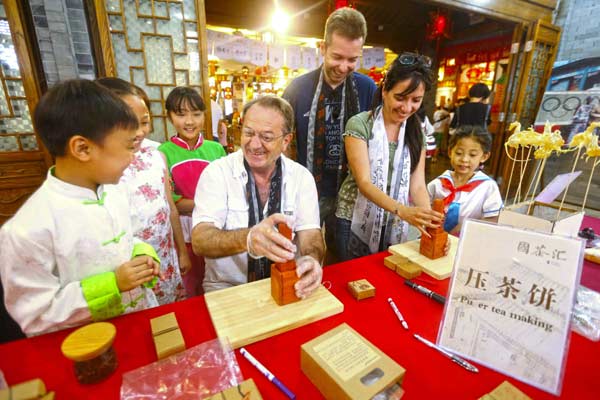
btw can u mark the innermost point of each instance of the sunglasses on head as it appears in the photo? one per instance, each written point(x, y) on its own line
point(413, 59)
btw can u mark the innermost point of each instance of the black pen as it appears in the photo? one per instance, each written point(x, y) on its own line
point(423, 290)
point(463, 363)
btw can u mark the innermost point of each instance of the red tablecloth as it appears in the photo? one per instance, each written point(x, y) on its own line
point(429, 374)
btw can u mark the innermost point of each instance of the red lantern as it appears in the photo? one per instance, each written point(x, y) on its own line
point(341, 3)
point(439, 26)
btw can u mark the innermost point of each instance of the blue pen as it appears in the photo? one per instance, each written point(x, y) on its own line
point(267, 373)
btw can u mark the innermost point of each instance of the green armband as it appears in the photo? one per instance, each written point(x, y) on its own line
point(144, 249)
point(102, 296)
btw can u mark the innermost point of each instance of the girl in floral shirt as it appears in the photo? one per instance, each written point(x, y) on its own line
point(154, 217)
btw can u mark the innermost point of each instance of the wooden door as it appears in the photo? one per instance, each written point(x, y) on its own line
point(533, 53)
point(23, 158)
point(155, 44)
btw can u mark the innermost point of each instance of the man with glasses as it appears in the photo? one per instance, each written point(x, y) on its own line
point(241, 198)
point(324, 99)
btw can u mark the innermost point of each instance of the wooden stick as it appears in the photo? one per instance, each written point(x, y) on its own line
point(512, 169)
point(523, 170)
point(520, 161)
point(535, 173)
point(536, 185)
point(587, 189)
point(567, 188)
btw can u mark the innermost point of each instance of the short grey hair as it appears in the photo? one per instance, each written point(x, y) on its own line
point(346, 22)
point(278, 104)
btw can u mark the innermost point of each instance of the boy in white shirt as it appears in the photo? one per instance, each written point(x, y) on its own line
point(68, 255)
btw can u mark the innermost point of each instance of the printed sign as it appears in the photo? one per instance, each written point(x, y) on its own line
point(509, 307)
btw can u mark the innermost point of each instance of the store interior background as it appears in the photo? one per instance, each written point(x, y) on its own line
point(473, 47)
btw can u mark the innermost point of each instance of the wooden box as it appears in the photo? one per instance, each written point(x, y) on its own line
point(283, 279)
point(246, 390)
point(542, 217)
point(343, 365)
point(361, 289)
point(433, 247)
point(283, 275)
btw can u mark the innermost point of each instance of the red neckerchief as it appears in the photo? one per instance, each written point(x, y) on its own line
point(447, 184)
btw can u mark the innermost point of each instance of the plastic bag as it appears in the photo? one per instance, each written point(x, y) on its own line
point(586, 314)
point(3, 384)
point(196, 373)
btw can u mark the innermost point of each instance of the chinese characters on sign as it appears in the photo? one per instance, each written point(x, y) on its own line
point(509, 306)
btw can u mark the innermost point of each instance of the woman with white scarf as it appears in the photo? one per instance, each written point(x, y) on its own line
point(385, 189)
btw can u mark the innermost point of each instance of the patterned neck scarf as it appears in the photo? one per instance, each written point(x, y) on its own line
point(315, 141)
point(261, 268)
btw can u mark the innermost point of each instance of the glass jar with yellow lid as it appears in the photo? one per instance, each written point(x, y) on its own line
point(90, 347)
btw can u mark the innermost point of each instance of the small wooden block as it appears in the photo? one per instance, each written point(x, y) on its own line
point(506, 391)
point(168, 339)
point(283, 279)
point(169, 343)
point(48, 396)
point(32, 389)
point(164, 323)
point(361, 289)
point(409, 270)
point(285, 230)
point(4, 394)
point(438, 205)
point(394, 260)
point(246, 390)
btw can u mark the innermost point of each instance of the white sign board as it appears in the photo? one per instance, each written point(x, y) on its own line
point(276, 55)
point(509, 306)
point(373, 57)
point(293, 57)
point(310, 59)
point(258, 53)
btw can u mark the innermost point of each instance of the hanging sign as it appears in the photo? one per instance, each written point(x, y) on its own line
point(276, 54)
point(215, 39)
point(240, 50)
point(310, 59)
point(258, 53)
point(293, 58)
point(373, 57)
point(509, 307)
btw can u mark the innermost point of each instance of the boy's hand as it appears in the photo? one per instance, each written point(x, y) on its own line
point(136, 272)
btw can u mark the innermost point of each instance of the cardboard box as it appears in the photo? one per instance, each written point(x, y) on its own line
point(246, 390)
point(542, 218)
point(343, 365)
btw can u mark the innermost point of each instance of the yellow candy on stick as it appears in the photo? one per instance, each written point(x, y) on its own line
point(589, 140)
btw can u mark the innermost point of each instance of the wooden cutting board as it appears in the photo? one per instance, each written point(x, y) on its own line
point(440, 268)
point(247, 313)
